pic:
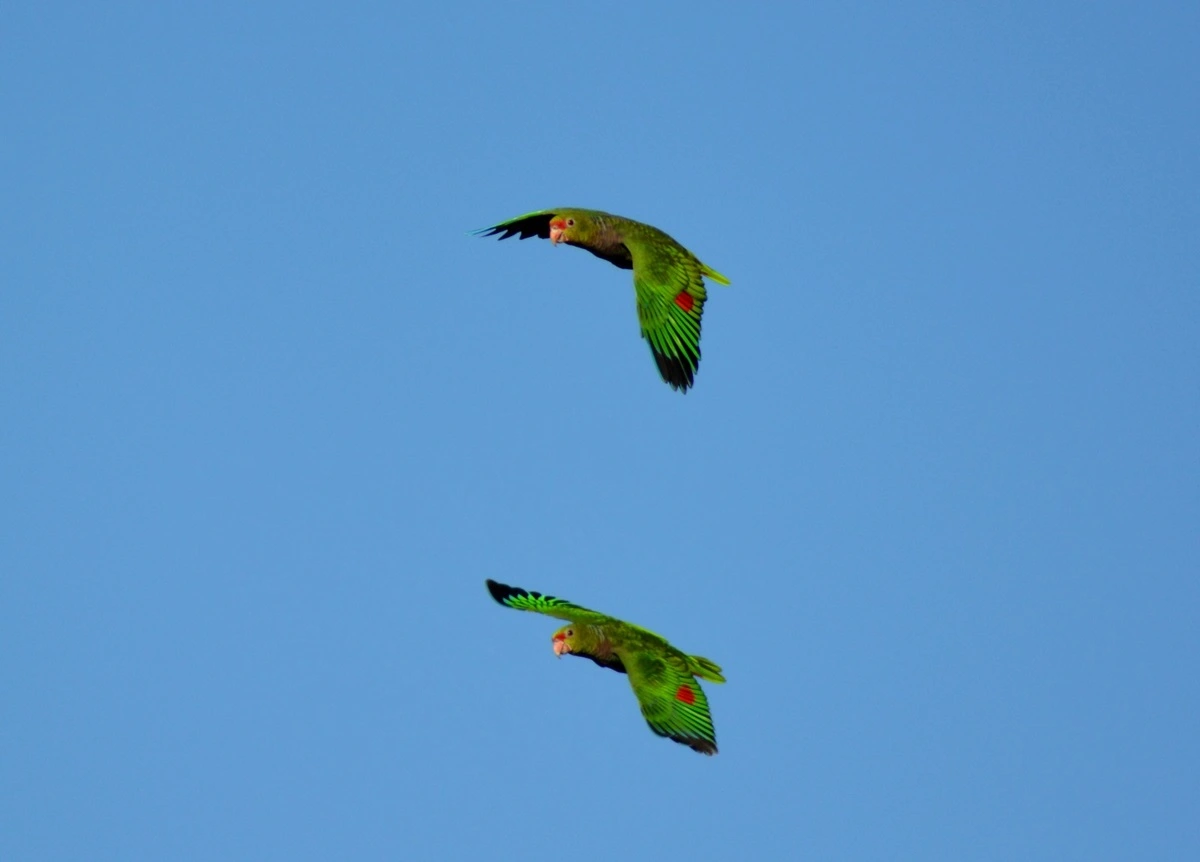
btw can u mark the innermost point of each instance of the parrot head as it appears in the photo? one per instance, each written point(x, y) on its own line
point(564, 640)
point(561, 228)
point(572, 227)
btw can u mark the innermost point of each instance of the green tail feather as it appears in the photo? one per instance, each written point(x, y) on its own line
point(714, 275)
point(705, 669)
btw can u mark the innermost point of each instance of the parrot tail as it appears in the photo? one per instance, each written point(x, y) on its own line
point(705, 669)
point(714, 275)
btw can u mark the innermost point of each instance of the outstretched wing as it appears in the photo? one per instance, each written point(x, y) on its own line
point(530, 224)
point(526, 600)
point(672, 701)
point(538, 224)
point(669, 283)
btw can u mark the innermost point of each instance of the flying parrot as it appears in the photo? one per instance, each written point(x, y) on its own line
point(667, 278)
point(663, 678)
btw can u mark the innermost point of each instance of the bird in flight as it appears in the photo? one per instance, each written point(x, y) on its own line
point(667, 278)
point(664, 679)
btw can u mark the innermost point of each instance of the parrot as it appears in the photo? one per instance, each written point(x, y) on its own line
point(663, 678)
point(667, 278)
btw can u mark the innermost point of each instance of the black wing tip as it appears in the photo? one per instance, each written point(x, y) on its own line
point(695, 743)
point(500, 591)
point(678, 373)
point(504, 594)
point(504, 231)
point(536, 225)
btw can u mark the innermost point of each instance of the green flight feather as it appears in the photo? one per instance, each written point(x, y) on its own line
point(668, 279)
point(663, 678)
point(525, 600)
point(672, 701)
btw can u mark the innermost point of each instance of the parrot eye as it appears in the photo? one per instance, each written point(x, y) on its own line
point(570, 222)
point(570, 633)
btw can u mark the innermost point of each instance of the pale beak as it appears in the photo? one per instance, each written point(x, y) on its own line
point(556, 235)
point(560, 647)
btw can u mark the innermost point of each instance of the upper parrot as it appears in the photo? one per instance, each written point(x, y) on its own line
point(668, 279)
point(663, 678)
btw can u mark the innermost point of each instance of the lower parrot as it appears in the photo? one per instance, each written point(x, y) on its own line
point(667, 278)
point(664, 679)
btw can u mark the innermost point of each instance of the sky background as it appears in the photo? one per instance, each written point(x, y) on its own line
point(269, 416)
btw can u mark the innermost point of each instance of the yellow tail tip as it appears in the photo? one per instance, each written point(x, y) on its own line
point(716, 276)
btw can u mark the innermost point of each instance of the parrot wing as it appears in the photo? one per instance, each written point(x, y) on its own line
point(671, 699)
point(669, 283)
point(526, 600)
point(531, 224)
point(538, 224)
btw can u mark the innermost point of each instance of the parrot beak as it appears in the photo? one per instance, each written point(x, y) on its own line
point(560, 646)
point(556, 231)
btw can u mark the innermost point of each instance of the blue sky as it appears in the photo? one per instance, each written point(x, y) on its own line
point(270, 416)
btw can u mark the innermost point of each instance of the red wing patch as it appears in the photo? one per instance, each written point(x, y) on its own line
point(684, 300)
point(686, 695)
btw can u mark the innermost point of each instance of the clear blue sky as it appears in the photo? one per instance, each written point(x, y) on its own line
point(270, 417)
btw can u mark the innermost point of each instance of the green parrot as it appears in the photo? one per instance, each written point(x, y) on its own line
point(667, 278)
point(663, 678)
